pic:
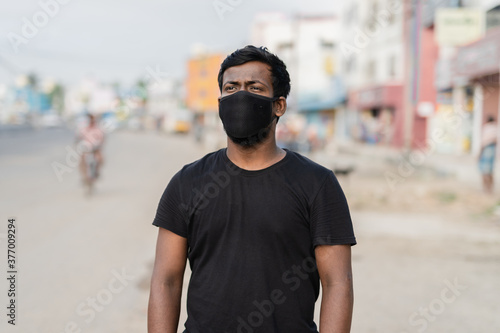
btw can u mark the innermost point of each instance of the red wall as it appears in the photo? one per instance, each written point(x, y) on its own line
point(427, 90)
point(491, 98)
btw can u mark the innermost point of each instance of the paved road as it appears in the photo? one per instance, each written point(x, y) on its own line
point(85, 263)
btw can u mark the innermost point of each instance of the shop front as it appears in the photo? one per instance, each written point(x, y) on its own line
point(379, 113)
point(476, 86)
point(324, 115)
point(447, 132)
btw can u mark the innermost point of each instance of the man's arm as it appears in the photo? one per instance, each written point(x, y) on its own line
point(335, 272)
point(166, 282)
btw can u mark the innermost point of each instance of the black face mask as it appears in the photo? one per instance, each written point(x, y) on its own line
point(244, 114)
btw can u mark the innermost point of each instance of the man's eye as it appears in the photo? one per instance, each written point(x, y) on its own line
point(255, 88)
point(229, 88)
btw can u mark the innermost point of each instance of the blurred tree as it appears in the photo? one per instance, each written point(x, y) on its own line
point(56, 96)
point(142, 91)
point(33, 81)
point(116, 87)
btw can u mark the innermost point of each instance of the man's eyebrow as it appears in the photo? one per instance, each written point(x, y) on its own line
point(231, 82)
point(247, 82)
point(255, 81)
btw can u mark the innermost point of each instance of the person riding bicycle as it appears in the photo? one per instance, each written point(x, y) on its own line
point(92, 139)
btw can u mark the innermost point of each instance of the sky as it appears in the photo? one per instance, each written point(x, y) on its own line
point(120, 40)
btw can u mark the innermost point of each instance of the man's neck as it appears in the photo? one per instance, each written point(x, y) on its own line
point(257, 157)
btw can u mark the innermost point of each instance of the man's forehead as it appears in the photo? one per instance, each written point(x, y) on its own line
point(250, 71)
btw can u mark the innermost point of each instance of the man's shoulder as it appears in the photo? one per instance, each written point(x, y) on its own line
point(204, 165)
point(305, 165)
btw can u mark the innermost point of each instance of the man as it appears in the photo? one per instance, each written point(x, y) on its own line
point(261, 226)
point(487, 153)
point(92, 139)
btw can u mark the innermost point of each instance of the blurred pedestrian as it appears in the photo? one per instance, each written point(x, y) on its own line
point(261, 225)
point(91, 140)
point(488, 152)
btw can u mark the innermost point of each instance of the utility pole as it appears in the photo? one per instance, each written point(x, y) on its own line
point(412, 26)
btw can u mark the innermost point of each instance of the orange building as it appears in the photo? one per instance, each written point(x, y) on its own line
point(202, 87)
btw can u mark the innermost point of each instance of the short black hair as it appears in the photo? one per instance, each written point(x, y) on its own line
point(279, 74)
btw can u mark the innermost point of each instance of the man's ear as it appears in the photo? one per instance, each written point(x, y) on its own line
point(280, 106)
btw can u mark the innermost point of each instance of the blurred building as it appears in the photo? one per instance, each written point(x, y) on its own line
point(28, 100)
point(3, 103)
point(309, 46)
point(466, 78)
point(422, 73)
point(202, 90)
point(166, 107)
point(373, 67)
point(89, 95)
point(12, 109)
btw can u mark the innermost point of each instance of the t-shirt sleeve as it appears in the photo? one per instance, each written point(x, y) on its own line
point(170, 214)
point(330, 218)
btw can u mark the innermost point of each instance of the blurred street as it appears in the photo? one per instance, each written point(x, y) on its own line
point(71, 247)
point(427, 257)
point(401, 99)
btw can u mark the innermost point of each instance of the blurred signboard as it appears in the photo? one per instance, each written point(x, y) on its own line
point(459, 26)
point(385, 96)
point(478, 59)
point(430, 7)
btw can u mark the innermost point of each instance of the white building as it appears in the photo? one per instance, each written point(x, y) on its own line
point(309, 47)
point(373, 67)
point(90, 96)
point(165, 108)
point(467, 76)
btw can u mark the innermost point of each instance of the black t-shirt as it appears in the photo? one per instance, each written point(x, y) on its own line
point(251, 238)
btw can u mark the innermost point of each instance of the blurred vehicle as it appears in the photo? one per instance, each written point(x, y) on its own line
point(91, 172)
point(182, 126)
point(90, 140)
point(51, 120)
point(179, 121)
